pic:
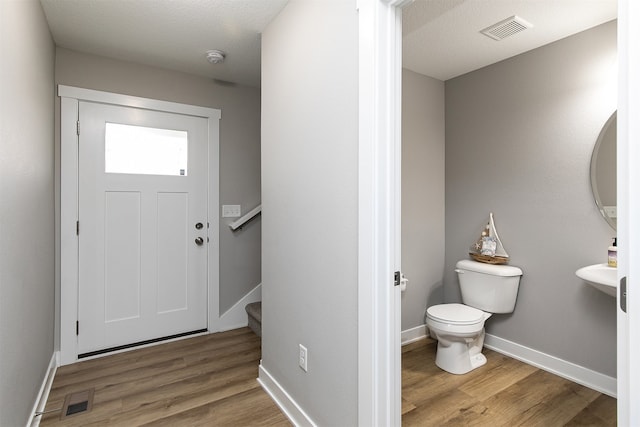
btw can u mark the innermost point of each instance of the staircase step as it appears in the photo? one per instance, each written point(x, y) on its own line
point(254, 312)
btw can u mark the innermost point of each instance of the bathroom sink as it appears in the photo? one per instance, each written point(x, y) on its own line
point(600, 276)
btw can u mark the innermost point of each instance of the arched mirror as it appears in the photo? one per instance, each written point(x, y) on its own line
point(603, 171)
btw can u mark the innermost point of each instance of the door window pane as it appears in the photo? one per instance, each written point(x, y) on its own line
point(144, 150)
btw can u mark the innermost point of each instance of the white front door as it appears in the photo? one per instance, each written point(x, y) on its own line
point(142, 210)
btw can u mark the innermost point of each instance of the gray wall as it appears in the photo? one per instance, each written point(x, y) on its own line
point(519, 137)
point(26, 207)
point(239, 146)
point(310, 205)
point(423, 238)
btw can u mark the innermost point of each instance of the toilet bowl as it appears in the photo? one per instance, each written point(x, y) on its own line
point(459, 328)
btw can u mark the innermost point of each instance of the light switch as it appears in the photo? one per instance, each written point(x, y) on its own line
point(231, 211)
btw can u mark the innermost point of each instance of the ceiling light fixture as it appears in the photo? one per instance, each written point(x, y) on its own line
point(215, 56)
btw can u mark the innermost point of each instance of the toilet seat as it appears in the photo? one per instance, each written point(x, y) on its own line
point(456, 314)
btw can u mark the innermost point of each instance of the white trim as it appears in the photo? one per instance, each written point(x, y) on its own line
point(213, 222)
point(70, 97)
point(628, 210)
point(285, 402)
point(43, 393)
point(578, 374)
point(68, 238)
point(398, 3)
point(82, 94)
point(236, 316)
point(380, 67)
point(414, 334)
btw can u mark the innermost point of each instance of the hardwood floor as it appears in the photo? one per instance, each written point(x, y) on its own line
point(504, 392)
point(211, 380)
point(208, 380)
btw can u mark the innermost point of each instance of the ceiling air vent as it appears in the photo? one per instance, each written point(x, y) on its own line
point(506, 28)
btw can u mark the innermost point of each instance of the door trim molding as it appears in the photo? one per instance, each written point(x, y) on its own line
point(628, 180)
point(379, 350)
point(69, 102)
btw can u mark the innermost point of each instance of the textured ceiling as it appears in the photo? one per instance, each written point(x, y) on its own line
point(441, 37)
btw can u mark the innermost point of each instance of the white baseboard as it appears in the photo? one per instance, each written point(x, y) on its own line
point(571, 371)
point(284, 401)
point(414, 334)
point(45, 388)
point(576, 373)
point(236, 316)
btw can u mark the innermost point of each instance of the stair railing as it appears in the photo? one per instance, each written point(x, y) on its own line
point(243, 220)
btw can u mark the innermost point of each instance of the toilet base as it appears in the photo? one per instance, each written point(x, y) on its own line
point(460, 356)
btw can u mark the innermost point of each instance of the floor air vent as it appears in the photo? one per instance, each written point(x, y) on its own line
point(77, 403)
point(506, 28)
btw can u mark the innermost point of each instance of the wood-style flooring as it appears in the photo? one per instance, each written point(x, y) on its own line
point(504, 392)
point(208, 380)
point(211, 381)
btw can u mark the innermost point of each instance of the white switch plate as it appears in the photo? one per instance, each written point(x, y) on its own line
point(231, 211)
point(303, 357)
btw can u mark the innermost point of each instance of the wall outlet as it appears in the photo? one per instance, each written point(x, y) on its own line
point(231, 211)
point(303, 358)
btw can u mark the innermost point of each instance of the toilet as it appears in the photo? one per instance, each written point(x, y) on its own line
point(459, 328)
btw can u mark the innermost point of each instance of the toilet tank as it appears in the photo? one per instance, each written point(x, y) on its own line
point(488, 287)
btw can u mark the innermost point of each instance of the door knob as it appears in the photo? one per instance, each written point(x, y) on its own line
point(199, 241)
point(198, 226)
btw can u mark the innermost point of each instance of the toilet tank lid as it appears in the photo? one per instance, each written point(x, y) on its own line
point(493, 269)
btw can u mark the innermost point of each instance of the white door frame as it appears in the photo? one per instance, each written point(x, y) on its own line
point(380, 63)
point(629, 210)
point(380, 77)
point(69, 102)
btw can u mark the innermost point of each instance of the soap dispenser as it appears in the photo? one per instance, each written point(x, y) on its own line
point(613, 254)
